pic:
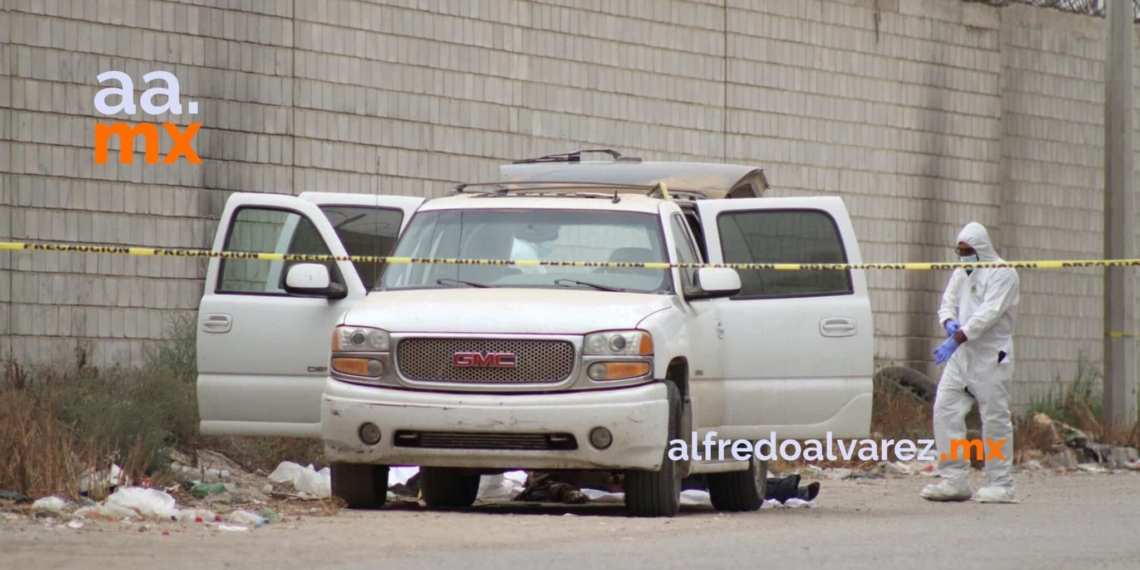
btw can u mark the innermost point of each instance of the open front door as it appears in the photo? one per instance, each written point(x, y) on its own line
point(263, 353)
point(798, 344)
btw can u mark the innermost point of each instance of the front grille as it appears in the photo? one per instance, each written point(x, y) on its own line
point(535, 361)
point(486, 440)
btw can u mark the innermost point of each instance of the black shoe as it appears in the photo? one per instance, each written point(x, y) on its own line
point(810, 492)
point(782, 489)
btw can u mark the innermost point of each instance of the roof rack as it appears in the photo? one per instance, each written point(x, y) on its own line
point(657, 190)
point(575, 156)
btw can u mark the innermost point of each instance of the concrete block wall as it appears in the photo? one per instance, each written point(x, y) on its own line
point(922, 114)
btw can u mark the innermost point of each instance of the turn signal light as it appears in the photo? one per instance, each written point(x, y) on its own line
point(617, 370)
point(358, 366)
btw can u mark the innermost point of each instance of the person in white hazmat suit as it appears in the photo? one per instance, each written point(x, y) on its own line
point(977, 312)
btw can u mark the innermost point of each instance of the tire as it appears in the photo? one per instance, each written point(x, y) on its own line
point(658, 493)
point(362, 486)
point(908, 379)
point(442, 487)
point(740, 491)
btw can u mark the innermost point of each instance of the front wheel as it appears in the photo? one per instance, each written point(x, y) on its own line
point(362, 486)
point(658, 493)
point(740, 491)
point(448, 488)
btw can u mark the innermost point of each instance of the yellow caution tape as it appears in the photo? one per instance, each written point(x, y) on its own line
point(1120, 335)
point(162, 252)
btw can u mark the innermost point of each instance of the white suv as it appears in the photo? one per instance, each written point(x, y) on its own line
point(469, 369)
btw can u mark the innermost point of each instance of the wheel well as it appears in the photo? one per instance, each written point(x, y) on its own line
point(678, 372)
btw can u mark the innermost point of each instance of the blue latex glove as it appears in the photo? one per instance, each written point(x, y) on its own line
point(944, 352)
point(952, 327)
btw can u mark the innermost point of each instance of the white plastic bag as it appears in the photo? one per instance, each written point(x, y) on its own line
point(696, 497)
point(49, 505)
point(107, 512)
point(604, 497)
point(245, 518)
point(106, 479)
point(401, 475)
point(147, 502)
point(502, 486)
point(305, 479)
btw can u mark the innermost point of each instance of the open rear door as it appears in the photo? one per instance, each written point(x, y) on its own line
point(263, 354)
point(798, 344)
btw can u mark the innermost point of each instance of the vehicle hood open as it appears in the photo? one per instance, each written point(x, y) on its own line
point(469, 310)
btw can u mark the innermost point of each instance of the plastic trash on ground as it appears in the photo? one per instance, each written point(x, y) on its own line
point(207, 475)
point(235, 528)
point(147, 502)
point(107, 512)
point(106, 479)
point(401, 475)
point(502, 486)
point(1092, 468)
point(305, 479)
point(245, 518)
point(201, 490)
point(696, 498)
point(604, 497)
point(49, 505)
point(792, 503)
point(196, 516)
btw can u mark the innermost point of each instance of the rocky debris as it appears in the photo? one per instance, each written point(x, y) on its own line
point(1073, 448)
point(18, 498)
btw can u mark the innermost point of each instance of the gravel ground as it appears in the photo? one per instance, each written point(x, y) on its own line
point(1063, 521)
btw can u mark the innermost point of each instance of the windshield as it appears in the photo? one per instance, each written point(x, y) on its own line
point(547, 235)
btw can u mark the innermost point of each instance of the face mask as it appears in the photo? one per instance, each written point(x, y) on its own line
point(970, 258)
point(546, 248)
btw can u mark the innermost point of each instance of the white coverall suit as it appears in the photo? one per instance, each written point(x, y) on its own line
point(984, 303)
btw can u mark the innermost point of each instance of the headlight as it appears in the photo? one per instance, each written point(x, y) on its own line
point(360, 339)
point(618, 343)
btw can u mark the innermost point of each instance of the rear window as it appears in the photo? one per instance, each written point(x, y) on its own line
point(784, 236)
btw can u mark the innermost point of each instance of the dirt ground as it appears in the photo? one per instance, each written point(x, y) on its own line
point(1063, 521)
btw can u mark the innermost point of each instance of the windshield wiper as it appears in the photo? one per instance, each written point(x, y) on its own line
point(446, 280)
point(565, 282)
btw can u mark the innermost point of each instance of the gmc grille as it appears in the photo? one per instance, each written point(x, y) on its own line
point(536, 361)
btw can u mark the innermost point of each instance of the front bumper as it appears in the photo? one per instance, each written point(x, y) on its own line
point(638, 418)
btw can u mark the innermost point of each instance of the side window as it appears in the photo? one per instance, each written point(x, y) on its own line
point(366, 231)
point(784, 236)
point(686, 253)
point(263, 230)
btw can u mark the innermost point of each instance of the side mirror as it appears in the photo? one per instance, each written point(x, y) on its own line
point(313, 279)
point(716, 282)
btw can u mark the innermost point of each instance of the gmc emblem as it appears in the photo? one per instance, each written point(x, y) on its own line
point(480, 360)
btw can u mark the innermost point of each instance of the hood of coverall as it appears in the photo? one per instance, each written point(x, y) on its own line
point(977, 237)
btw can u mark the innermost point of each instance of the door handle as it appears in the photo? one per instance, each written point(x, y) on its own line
point(217, 323)
point(837, 326)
